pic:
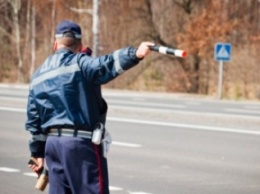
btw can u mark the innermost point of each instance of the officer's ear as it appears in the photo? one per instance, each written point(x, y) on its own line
point(55, 45)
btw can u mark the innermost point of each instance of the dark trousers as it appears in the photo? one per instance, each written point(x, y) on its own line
point(76, 166)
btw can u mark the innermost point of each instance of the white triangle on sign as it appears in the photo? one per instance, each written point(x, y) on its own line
point(222, 53)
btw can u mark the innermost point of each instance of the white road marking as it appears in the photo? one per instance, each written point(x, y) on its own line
point(160, 105)
point(186, 112)
point(114, 143)
point(12, 86)
point(154, 109)
point(6, 169)
point(138, 193)
point(126, 144)
point(111, 188)
point(198, 127)
point(242, 111)
point(13, 109)
point(143, 108)
point(33, 174)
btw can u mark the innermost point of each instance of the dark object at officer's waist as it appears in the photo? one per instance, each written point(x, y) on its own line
point(72, 127)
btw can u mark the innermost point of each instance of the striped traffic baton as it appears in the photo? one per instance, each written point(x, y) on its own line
point(169, 51)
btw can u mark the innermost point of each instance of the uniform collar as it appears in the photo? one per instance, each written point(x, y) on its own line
point(63, 50)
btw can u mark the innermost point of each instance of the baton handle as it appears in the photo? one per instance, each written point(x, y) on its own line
point(169, 51)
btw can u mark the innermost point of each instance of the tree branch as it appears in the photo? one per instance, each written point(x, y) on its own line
point(2, 30)
point(78, 10)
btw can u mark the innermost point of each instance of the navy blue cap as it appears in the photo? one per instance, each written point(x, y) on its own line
point(68, 26)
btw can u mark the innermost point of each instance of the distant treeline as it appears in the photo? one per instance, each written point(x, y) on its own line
point(27, 30)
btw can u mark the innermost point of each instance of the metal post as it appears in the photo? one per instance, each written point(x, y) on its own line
point(220, 79)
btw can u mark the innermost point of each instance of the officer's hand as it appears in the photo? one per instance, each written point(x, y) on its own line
point(37, 166)
point(143, 50)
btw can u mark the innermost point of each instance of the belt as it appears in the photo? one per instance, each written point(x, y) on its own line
point(70, 133)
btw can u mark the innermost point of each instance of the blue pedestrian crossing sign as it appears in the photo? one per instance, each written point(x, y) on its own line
point(222, 51)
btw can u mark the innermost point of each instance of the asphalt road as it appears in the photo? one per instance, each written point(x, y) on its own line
point(162, 144)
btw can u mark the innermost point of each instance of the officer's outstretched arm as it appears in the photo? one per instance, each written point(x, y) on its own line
point(106, 68)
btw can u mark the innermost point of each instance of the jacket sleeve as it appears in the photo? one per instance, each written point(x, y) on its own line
point(33, 124)
point(103, 69)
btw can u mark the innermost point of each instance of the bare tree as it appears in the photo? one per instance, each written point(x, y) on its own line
point(185, 24)
point(33, 40)
point(94, 12)
point(95, 27)
point(53, 19)
point(16, 6)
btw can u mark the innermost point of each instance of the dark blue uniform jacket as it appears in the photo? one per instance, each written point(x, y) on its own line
point(65, 92)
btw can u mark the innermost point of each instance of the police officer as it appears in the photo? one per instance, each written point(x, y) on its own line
point(65, 110)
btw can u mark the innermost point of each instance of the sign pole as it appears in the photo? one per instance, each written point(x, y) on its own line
point(222, 53)
point(220, 79)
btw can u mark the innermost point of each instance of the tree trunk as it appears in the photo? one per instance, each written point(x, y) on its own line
point(16, 4)
point(195, 75)
point(33, 48)
point(53, 20)
point(27, 32)
point(95, 27)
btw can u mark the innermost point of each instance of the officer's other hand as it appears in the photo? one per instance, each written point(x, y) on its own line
point(143, 50)
point(37, 167)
